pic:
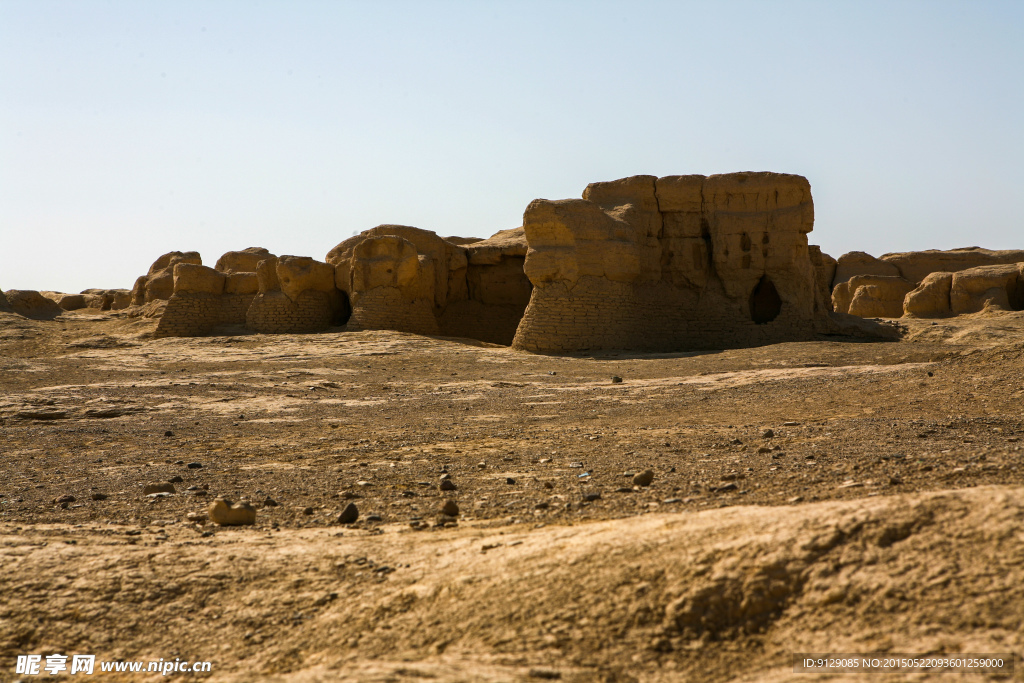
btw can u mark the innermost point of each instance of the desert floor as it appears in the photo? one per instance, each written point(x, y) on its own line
point(828, 496)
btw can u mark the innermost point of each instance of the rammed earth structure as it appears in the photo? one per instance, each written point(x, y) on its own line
point(654, 264)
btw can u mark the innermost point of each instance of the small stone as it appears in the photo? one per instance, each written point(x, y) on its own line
point(269, 502)
point(194, 465)
point(176, 479)
point(162, 487)
point(450, 508)
point(548, 485)
point(764, 449)
point(592, 496)
point(445, 476)
point(349, 515)
point(373, 517)
point(672, 501)
point(510, 481)
point(307, 510)
point(448, 485)
point(481, 465)
point(225, 513)
point(623, 489)
point(66, 498)
point(544, 461)
point(616, 379)
point(768, 434)
point(791, 423)
point(363, 483)
point(197, 517)
point(644, 478)
point(168, 433)
point(179, 462)
point(99, 496)
point(794, 499)
point(543, 505)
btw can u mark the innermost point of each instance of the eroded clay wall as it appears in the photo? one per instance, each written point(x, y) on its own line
point(678, 263)
point(275, 313)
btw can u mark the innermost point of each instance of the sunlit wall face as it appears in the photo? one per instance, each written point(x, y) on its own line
point(131, 129)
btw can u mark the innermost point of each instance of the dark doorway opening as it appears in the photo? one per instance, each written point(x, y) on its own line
point(765, 303)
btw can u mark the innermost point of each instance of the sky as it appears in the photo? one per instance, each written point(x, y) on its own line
point(132, 128)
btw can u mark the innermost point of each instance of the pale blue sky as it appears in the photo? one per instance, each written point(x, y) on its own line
point(129, 129)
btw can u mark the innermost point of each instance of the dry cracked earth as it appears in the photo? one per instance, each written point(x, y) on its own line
point(828, 496)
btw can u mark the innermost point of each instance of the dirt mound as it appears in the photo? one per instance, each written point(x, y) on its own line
point(718, 594)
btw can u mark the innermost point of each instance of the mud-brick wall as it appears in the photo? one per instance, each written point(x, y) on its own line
point(234, 307)
point(312, 311)
point(385, 308)
point(195, 314)
point(475, 320)
point(601, 314)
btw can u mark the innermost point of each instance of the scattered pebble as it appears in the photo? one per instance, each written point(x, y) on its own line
point(592, 496)
point(768, 434)
point(269, 502)
point(510, 481)
point(616, 379)
point(99, 496)
point(450, 508)
point(194, 465)
point(162, 487)
point(448, 485)
point(225, 513)
point(307, 510)
point(644, 478)
point(349, 515)
point(176, 479)
point(66, 498)
point(373, 517)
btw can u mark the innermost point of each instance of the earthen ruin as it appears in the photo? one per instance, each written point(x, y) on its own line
point(676, 263)
point(929, 284)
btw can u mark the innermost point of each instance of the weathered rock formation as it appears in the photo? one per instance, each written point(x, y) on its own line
point(403, 278)
point(295, 294)
point(681, 262)
point(158, 283)
point(924, 283)
point(871, 296)
point(99, 299)
point(32, 304)
point(278, 295)
point(5, 305)
point(999, 287)
point(916, 265)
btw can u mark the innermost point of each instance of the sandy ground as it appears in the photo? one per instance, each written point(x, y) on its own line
point(827, 496)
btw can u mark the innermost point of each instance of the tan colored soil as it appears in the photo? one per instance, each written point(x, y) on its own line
point(884, 514)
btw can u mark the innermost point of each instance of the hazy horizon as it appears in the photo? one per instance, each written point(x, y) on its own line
point(128, 130)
